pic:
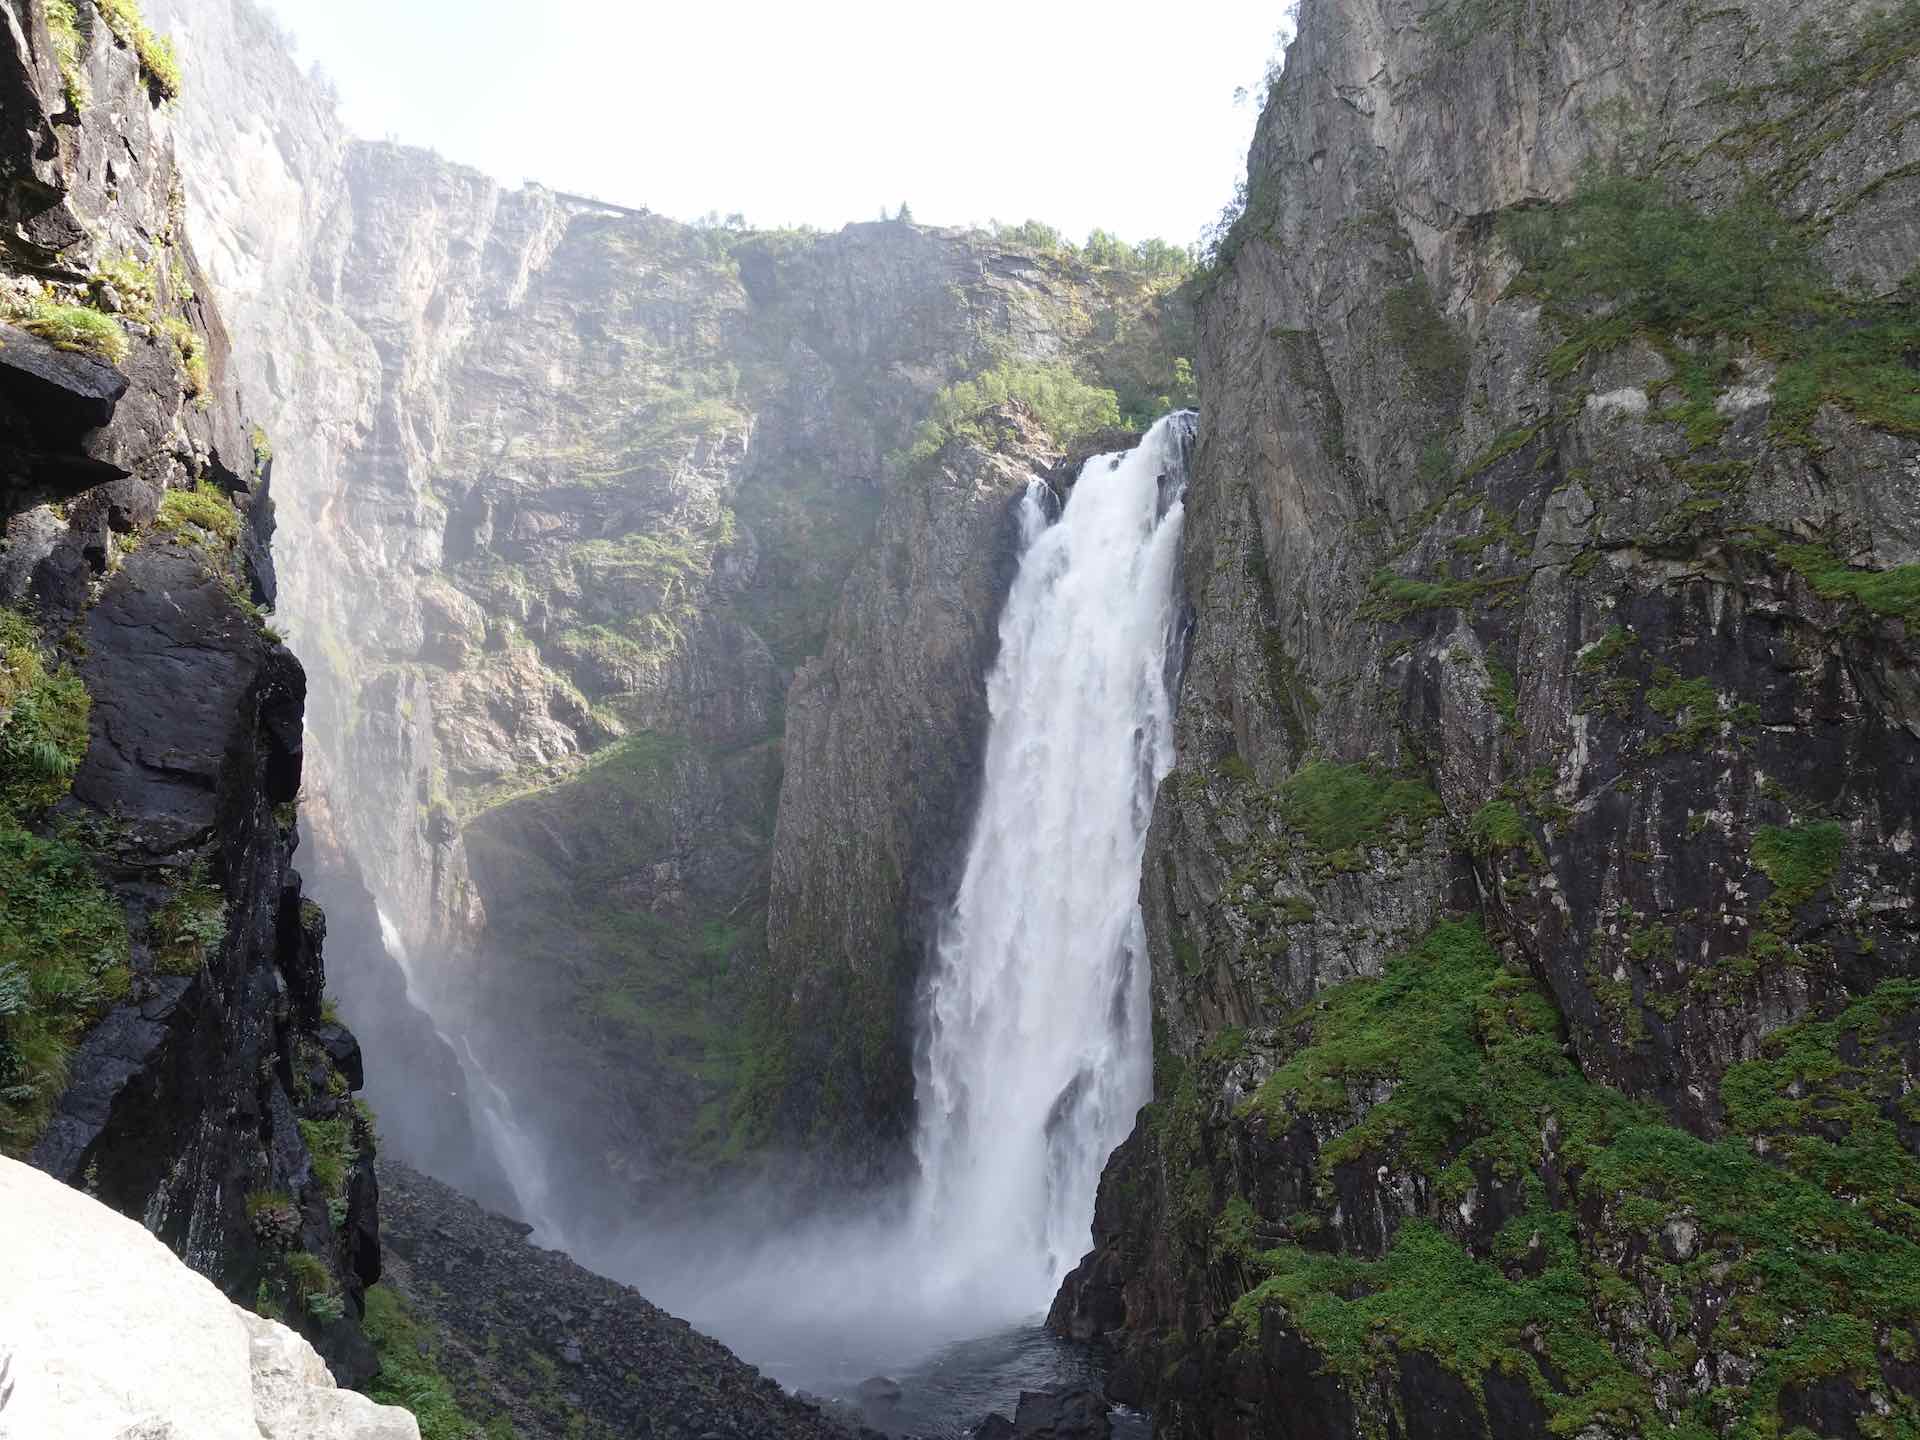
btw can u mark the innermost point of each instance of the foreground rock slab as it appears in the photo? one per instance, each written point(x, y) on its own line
point(105, 1333)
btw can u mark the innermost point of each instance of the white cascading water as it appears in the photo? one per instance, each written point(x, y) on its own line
point(1038, 1049)
point(519, 1155)
point(1037, 1046)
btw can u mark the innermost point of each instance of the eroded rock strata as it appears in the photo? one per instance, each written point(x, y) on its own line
point(1532, 911)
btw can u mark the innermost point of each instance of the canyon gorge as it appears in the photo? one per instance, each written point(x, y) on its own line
point(1314, 839)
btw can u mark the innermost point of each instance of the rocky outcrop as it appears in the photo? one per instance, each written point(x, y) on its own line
point(1531, 913)
point(165, 1040)
point(107, 1333)
point(557, 1350)
point(885, 733)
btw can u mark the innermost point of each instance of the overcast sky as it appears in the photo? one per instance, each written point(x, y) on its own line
point(1119, 114)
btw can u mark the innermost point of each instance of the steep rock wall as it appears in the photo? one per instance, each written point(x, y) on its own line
point(1538, 868)
point(164, 1036)
point(569, 508)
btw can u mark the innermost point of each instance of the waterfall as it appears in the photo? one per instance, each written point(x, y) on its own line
point(1036, 1045)
point(1037, 1050)
point(489, 1106)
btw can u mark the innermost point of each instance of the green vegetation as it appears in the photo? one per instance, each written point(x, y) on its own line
point(1799, 859)
point(136, 284)
point(313, 1288)
point(1696, 710)
point(63, 27)
point(43, 723)
point(1436, 356)
point(192, 354)
point(262, 448)
point(203, 514)
point(1474, 1054)
point(63, 963)
point(333, 1145)
point(1064, 405)
point(76, 328)
point(1344, 808)
point(1624, 259)
point(1893, 592)
point(189, 929)
point(668, 995)
point(1497, 826)
point(1103, 249)
point(63, 939)
point(154, 52)
point(410, 1374)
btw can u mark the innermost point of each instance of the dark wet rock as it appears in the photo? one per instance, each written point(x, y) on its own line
point(1076, 1413)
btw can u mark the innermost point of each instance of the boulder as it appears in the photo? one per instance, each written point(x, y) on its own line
point(105, 1333)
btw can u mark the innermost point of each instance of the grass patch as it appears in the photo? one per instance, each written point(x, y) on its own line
point(76, 328)
point(1497, 826)
point(191, 351)
point(410, 1374)
point(204, 514)
point(63, 964)
point(63, 28)
point(45, 732)
point(187, 932)
point(1807, 1271)
point(1799, 859)
point(1349, 807)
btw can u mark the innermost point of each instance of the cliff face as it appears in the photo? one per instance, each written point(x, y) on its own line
point(164, 1036)
point(570, 493)
point(1532, 911)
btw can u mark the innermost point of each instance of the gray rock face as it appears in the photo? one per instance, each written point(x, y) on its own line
point(570, 491)
point(884, 740)
point(1629, 651)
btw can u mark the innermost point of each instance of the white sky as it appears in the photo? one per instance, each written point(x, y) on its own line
point(1119, 114)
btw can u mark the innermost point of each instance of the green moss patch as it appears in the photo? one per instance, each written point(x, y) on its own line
point(1623, 258)
point(77, 328)
point(1799, 859)
point(1813, 1267)
point(1348, 807)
